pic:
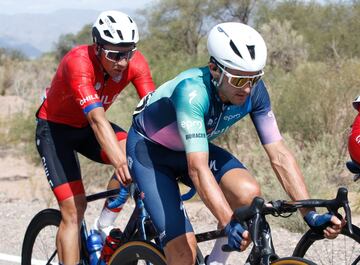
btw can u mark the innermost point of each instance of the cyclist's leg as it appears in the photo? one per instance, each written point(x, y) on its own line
point(68, 237)
point(93, 151)
point(54, 144)
point(235, 181)
point(154, 169)
point(238, 186)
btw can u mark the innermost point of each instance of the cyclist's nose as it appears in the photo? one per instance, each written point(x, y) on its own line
point(122, 63)
point(247, 87)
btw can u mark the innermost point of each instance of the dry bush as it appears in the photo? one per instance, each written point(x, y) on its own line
point(286, 47)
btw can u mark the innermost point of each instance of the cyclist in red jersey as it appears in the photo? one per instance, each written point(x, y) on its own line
point(354, 136)
point(72, 118)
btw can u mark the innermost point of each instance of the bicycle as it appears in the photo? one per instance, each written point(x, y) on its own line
point(345, 249)
point(140, 241)
point(39, 240)
point(263, 251)
point(253, 216)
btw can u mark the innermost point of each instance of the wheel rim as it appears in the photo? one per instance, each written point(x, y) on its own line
point(342, 250)
point(44, 250)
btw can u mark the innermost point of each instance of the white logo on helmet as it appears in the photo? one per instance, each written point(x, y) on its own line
point(110, 26)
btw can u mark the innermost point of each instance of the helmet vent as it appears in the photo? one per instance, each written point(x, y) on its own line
point(131, 20)
point(101, 22)
point(251, 49)
point(133, 34)
point(111, 19)
point(120, 34)
point(233, 47)
point(107, 33)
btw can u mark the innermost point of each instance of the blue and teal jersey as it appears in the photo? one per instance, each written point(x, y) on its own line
point(185, 113)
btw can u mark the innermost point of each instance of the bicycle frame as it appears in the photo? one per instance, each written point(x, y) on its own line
point(252, 217)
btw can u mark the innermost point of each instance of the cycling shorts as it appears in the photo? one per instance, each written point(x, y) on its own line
point(157, 169)
point(58, 145)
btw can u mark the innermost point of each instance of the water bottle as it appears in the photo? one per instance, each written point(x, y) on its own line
point(111, 243)
point(94, 246)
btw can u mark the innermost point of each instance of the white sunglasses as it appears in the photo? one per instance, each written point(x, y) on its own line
point(240, 81)
point(115, 56)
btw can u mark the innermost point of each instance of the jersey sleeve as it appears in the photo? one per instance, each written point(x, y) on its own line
point(263, 116)
point(191, 103)
point(79, 74)
point(143, 81)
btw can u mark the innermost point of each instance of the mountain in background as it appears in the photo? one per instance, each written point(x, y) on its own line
point(34, 34)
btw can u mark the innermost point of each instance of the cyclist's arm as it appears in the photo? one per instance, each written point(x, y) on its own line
point(191, 103)
point(107, 139)
point(142, 80)
point(207, 187)
point(282, 160)
point(287, 171)
point(80, 76)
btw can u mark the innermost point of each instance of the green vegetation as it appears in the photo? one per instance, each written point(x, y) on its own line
point(313, 74)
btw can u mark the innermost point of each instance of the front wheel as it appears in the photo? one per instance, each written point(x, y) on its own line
point(292, 261)
point(138, 252)
point(345, 249)
point(40, 237)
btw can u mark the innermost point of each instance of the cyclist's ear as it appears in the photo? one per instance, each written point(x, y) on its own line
point(97, 49)
point(214, 70)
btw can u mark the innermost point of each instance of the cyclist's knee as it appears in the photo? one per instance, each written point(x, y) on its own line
point(73, 209)
point(181, 250)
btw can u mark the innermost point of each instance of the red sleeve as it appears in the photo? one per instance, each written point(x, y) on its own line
point(142, 80)
point(79, 73)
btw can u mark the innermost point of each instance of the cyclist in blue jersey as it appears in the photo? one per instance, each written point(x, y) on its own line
point(170, 141)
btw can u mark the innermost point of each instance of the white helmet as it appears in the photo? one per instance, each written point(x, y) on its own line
point(114, 27)
point(237, 46)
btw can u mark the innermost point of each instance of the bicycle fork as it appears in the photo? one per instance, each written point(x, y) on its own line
point(263, 251)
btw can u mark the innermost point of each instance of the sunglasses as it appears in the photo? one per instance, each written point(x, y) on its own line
point(240, 81)
point(115, 56)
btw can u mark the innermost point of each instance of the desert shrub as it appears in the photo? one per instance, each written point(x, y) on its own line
point(315, 98)
point(27, 79)
point(286, 48)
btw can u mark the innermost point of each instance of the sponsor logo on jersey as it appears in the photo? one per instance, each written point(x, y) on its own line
point(195, 135)
point(117, 78)
point(232, 116)
point(89, 98)
point(192, 95)
point(97, 86)
point(106, 101)
point(188, 125)
point(217, 132)
point(357, 139)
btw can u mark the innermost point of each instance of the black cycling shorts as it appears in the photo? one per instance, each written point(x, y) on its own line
point(58, 145)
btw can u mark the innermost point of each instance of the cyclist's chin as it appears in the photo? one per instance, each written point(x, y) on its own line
point(116, 74)
point(238, 100)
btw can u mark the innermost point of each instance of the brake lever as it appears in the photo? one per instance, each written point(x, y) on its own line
point(348, 218)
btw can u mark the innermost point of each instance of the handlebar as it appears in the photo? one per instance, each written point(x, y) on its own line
point(277, 208)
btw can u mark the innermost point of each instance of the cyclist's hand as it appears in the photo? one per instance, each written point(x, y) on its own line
point(334, 230)
point(122, 174)
point(238, 237)
point(327, 223)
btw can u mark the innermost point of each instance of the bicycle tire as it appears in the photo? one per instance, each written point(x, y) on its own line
point(133, 251)
point(42, 220)
point(313, 246)
point(292, 261)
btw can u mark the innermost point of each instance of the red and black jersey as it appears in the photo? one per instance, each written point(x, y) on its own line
point(80, 85)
